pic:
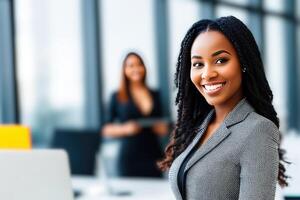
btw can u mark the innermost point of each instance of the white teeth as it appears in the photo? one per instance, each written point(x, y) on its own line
point(213, 87)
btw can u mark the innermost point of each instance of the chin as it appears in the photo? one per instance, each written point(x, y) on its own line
point(213, 101)
point(136, 79)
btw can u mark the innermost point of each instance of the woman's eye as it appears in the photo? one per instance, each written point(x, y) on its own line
point(221, 60)
point(197, 64)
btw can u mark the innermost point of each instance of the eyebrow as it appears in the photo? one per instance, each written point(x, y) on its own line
point(214, 54)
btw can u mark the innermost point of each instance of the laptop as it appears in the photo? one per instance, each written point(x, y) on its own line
point(35, 175)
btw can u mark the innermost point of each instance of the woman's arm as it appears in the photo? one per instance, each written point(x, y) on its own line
point(259, 163)
point(161, 128)
point(120, 130)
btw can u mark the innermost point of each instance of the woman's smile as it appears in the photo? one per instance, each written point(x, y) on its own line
point(213, 88)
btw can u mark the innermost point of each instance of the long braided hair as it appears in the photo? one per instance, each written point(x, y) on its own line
point(192, 106)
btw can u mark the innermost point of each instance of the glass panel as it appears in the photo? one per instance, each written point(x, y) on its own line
point(274, 5)
point(298, 47)
point(182, 14)
point(1, 111)
point(227, 10)
point(298, 69)
point(275, 60)
point(126, 27)
point(298, 9)
point(49, 65)
point(238, 2)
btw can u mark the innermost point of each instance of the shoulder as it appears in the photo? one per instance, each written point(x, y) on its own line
point(260, 127)
point(258, 121)
point(113, 97)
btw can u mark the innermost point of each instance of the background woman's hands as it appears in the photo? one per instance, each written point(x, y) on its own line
point(115, 130)
point(161, 128)
point(131, 128)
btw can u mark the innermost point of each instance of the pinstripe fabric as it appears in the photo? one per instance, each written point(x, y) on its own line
point(238, 162)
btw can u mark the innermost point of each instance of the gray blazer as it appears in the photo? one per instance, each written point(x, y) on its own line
point(238, 162)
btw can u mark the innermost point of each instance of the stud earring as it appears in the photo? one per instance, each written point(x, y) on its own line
point(244, 69)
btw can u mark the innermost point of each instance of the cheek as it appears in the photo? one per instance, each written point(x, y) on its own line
point(232, 71)
point(239, 80)
point(235, 78)
point(195, 78)
point(127, 72)
point(142, 70)
point(192, 76)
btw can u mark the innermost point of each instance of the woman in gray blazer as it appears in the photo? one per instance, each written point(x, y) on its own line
point(226, 143)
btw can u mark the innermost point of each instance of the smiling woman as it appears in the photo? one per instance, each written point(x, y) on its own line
point(226, 144)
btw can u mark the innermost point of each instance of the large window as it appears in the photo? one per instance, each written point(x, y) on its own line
point(182, 15)
point(126, 26)
point(275, 64)
point(274, 5)
point(49, 51)
point(49, 65)
point(227, 10)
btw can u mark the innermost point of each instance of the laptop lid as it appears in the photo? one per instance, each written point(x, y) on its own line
point(35, 175)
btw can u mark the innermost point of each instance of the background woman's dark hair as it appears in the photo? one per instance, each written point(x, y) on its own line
point(123, 92)
point(192, 107)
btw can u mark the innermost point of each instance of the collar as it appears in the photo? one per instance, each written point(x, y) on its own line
point(236, 115)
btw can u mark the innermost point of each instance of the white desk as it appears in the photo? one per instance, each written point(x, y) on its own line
point(132, 189)
point(139, 189)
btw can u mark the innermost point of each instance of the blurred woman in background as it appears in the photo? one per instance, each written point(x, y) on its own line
point(135, 120)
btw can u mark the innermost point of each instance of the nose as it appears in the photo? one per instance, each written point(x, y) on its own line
point(208, 73)
point(136, 68)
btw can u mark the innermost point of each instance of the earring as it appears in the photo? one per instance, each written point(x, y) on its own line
point(244, 69)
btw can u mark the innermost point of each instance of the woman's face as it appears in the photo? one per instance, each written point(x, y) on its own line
point(215, 69)
point(134, 69)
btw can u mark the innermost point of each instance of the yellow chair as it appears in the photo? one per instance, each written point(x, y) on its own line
point(15, 137)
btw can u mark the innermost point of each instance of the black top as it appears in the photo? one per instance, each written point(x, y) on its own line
point(181, 175)
point(138, 153)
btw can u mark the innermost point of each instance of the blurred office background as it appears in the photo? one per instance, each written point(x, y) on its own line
point(61, 59)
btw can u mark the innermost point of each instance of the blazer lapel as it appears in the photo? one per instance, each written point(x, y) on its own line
point(238, 114)
point(211, 143)
point(178, 161)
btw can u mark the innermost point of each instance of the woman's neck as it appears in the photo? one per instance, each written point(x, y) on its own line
point(224, 109)
point(136, 85)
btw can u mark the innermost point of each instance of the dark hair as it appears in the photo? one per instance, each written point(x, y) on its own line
point(192, 106)
point(123, 92)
